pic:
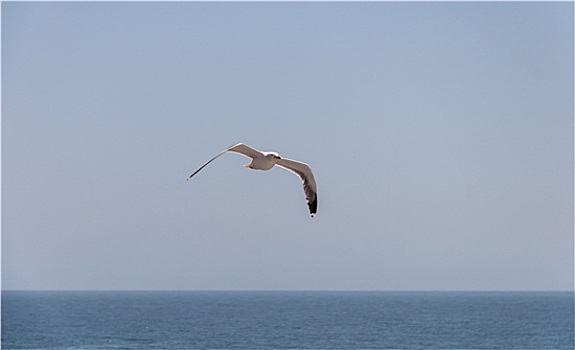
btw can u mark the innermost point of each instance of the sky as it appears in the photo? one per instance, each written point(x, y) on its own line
point(440, 136)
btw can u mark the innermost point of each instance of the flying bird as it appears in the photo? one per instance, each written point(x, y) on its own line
point(266, 161)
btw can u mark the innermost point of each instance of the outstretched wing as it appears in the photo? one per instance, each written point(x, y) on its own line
point(306, 175)
point(239, 148)
point(245, 150)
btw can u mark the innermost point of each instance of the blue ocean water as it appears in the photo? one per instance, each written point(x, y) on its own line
point(287, 320)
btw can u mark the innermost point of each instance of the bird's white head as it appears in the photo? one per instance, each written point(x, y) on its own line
point(272, 155)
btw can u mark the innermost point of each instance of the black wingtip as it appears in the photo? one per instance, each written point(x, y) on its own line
point(313, 207)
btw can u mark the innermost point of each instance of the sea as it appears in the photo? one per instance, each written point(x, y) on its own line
point(287, 320)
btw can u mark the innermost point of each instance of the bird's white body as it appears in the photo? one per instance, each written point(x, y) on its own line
point(267, 160)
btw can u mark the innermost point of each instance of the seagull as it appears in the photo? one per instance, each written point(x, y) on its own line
point(266, 161)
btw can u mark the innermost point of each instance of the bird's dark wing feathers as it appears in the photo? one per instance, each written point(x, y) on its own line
point(303, 171)
point(239, 148)
point(208, 162)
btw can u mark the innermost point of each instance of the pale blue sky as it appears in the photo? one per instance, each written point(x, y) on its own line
point(441, 136)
